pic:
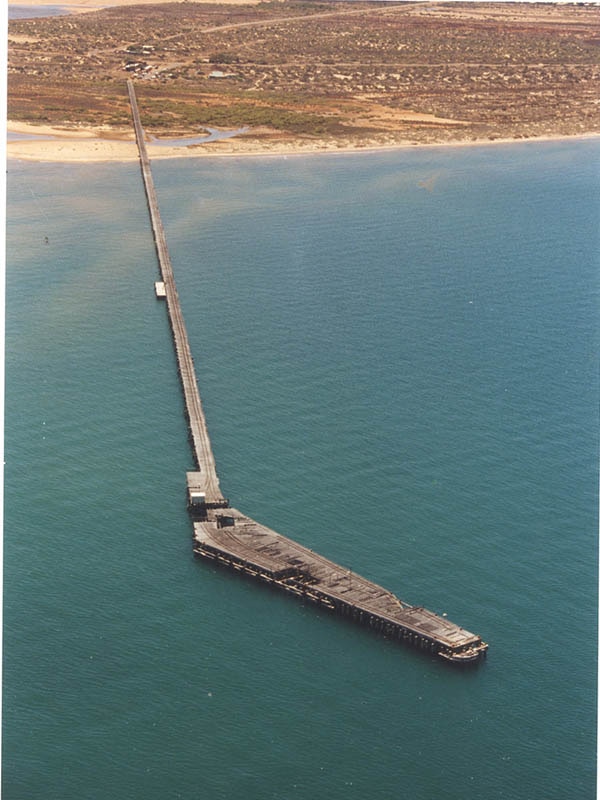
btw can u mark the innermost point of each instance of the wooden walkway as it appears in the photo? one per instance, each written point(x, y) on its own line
point(207, 480)
point(226, 536)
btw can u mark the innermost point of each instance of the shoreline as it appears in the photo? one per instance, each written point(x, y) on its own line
point(90, 145)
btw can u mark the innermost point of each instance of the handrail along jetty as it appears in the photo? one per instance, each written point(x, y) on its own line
point(230, 538)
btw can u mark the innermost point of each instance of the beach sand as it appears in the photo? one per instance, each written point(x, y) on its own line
point(81, 144)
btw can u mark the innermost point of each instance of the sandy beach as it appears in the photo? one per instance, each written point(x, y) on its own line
point(103, 144)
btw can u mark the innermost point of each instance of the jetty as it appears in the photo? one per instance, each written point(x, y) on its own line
point(203, 483)
point(228, 537)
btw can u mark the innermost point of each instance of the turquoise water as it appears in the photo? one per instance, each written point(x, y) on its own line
point(397, 355)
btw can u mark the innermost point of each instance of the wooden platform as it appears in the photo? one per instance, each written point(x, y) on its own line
point(240, 543)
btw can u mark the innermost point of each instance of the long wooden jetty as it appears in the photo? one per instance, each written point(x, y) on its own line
point(203, 484)
point(228, 537)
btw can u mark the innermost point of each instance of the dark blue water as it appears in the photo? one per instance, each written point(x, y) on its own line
point(397, 355)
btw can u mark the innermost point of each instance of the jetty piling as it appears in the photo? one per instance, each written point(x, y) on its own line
point(228, 537)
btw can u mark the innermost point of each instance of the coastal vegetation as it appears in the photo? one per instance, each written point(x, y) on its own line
point(377, 73)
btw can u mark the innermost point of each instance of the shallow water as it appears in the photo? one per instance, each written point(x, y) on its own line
point(28, 12)
point(211, 135)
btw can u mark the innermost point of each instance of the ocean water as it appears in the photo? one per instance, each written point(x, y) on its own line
point(397, 355)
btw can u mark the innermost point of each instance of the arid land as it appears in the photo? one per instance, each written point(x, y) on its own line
point(303, 75)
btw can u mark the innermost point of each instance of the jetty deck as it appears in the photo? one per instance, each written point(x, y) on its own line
point(206, 481)
point(228, 537)
point(236, 541)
